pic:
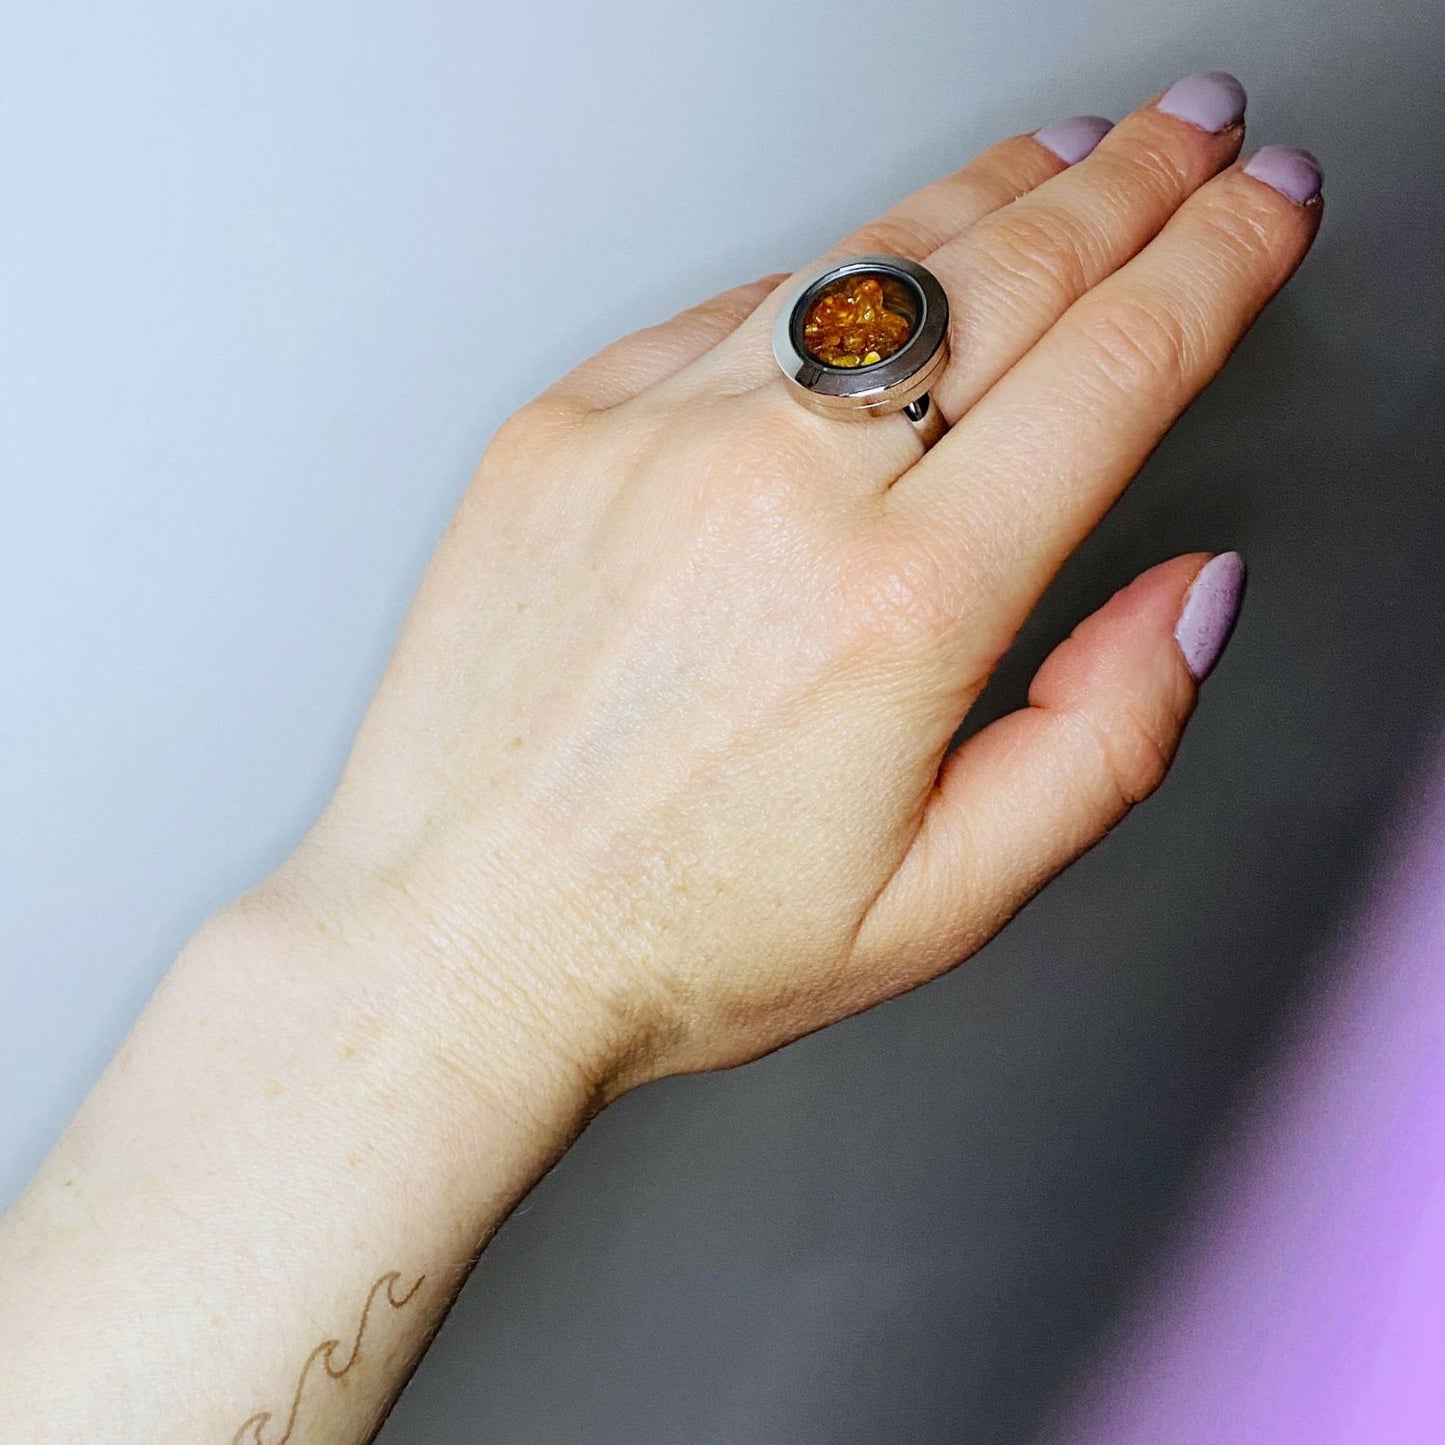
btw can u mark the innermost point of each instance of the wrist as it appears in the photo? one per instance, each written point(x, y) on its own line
point(466, 1011)
point(308, 1107)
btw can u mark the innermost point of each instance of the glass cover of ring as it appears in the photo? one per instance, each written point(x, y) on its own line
point(860, 319)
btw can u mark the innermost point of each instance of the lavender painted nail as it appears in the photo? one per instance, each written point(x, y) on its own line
point(1071, 140)
point(1209, 612)
point(1213, 100)
point(1293, 173)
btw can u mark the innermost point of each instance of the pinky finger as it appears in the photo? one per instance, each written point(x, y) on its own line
point(630, 365)
point(1023, 798)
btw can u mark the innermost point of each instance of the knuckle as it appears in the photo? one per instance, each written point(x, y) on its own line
point(1138, 344)
point(1238, 236)
point(1009, 169)
point(518, 434)
point(531, 432)
point(986, 185)
point(1145, 173)
point(900, 592)
point(1047, 252)
point(539, 419)
point(1135, 754)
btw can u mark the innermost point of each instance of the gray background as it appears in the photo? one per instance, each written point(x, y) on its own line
point(256, 263)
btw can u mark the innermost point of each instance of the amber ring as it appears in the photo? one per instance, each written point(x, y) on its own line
point(866, 337)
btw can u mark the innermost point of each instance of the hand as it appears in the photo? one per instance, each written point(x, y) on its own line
point(658, 779)
point(661, 764)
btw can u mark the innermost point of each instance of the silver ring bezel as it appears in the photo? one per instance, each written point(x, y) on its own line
point(886, 386)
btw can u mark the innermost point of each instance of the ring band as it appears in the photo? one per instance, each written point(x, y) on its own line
point(866, 337)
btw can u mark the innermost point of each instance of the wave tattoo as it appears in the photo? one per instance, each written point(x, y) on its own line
point(252, 1432)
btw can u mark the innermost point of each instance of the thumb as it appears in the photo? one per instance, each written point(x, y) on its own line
point(1029, 793)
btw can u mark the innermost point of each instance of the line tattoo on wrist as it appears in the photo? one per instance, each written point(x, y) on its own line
point(253, 1431)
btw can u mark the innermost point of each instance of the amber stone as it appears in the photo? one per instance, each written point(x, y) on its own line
point(849, 324)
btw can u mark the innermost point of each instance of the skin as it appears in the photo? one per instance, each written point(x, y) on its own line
point(658, 779)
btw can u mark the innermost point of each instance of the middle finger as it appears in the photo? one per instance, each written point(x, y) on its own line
point(1012, 275)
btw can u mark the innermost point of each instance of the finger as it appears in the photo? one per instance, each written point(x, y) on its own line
point(1014, 274)
point(1016, 267)
point(643, 358)
point(1013, 488)
point(931, 217)
point(915, 226)
point(918, 225)
point(1026, 796)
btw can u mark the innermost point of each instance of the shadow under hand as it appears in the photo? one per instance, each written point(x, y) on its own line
point(1141, 994)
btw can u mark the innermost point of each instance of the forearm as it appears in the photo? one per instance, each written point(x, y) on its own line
point(308, 1137)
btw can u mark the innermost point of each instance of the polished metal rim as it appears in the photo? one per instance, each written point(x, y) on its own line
point(901, 381)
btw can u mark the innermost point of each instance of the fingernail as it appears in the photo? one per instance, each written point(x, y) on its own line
point(1293, 173)
point(1071, 140)
point(1209, 612)
point(1213, 100)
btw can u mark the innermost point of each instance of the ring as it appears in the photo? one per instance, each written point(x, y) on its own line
point(866, 337)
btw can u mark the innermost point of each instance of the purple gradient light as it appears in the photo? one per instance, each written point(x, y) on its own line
point(1307, 1301)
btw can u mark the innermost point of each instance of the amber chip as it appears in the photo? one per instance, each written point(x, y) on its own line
point(850, 324)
